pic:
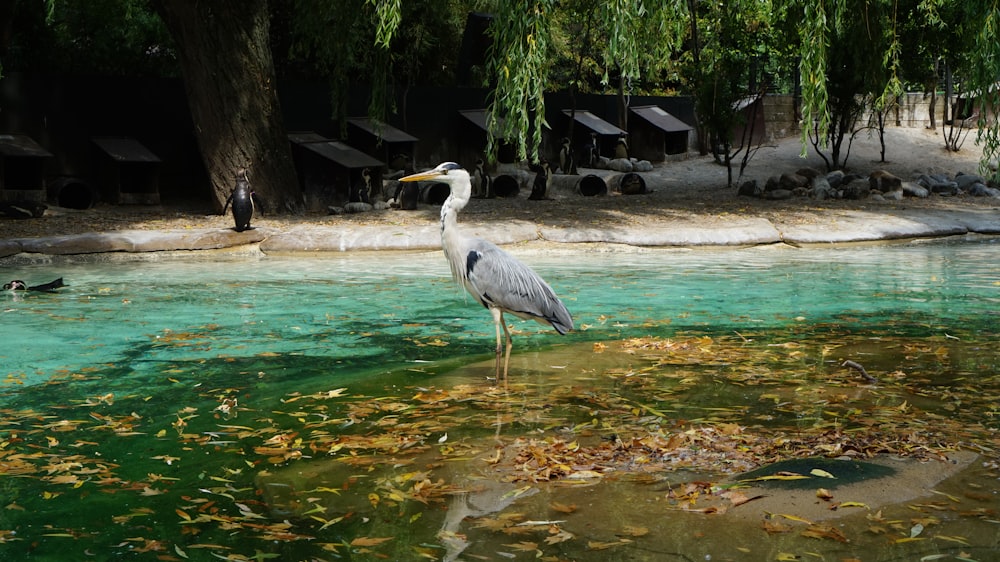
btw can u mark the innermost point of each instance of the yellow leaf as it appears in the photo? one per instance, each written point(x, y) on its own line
point(598, 545)
point(790, 518)
point(524, 546)
point(853, 504)
point(959, 540)
point(821, 473)
point(907, 539)
point(777, 477)
point(563, 508)
point(370, 541)
point(631, 531)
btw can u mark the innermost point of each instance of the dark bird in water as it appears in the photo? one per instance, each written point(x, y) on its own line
point(493, 277)
point(18, 285)
point(482, 183)
point(621, 147)
point(566, 163)
point(543, 175)
point(242, 199)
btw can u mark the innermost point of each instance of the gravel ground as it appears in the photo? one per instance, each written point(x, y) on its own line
point(692, 189)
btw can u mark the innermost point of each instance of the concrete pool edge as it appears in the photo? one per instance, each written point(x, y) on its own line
point(805, 227)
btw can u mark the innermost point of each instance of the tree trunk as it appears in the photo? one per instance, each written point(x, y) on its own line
point(225, 59)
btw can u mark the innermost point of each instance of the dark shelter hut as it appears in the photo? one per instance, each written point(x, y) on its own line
point(656, 133)
point(329, 170)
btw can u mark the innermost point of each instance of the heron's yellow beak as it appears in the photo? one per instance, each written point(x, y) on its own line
point(421, 176)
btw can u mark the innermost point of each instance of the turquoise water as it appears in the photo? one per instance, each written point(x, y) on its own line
point(348, 308)
point(142, 404)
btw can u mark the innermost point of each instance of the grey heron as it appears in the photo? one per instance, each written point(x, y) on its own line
point(493, 277)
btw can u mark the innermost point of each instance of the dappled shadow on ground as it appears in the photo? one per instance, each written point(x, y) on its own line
point(694, 189)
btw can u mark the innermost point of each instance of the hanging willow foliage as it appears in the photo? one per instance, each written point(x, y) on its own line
point(812, 69)
point(518, 61)
point(985, 74)
point(388, 14)
point(639, 33)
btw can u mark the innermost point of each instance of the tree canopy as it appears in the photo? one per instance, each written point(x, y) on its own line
point(840, 56)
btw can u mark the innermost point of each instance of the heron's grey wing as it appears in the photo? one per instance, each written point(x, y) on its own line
point(496, 278)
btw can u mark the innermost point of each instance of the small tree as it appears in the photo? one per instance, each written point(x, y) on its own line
point(724, 69)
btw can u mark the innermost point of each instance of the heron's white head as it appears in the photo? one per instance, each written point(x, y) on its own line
point(450, 173)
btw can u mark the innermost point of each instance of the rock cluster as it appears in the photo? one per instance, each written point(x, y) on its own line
point(623, 165)
point(879, 185)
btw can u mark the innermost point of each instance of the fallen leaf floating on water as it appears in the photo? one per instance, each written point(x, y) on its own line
point(563, 508)
point(570, 434)
point(598, 545)
point(817, 531)
point(369, 541)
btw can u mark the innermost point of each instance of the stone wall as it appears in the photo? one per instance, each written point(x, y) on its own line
point(781, 115)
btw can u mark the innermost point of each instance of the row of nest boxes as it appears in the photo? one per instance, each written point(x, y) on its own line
point(127, 171)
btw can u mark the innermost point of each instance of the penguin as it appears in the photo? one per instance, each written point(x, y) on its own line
point(361, 193)
point(242, 198)
point(621, 149)
point(566, 163)
point(542, 177)
point(593, 151)
point(482, 181)
point(18, 285)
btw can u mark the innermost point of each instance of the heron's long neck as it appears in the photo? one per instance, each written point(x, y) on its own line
point(449, 212)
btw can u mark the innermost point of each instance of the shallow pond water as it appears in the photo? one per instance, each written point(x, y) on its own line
point(340, 408)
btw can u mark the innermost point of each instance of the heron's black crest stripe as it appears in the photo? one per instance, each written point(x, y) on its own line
point(470, 261)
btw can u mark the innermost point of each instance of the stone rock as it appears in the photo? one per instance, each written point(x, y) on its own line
point(883, 181)
point(965, 181)
point(856, 189)
point(642, 166)
point(623, 165)
point(791, 181)
point(142, 241)
point(9, 248)
point(912, 189)
point(835, 178)
point(980, 190)
point(821, 189)
point(332, 210)
point(938, 184)
point(358, 207)
point(771, 184)
point(381, 205)
point(749, 189)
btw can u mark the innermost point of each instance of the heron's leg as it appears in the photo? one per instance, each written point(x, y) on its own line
point(510, 344)
point(498, 321)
